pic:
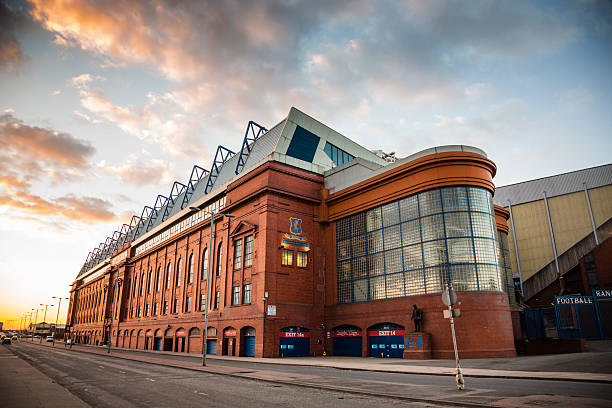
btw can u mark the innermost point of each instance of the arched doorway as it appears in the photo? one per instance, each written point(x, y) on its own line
point(346, 341)
point(294, 342)
point(386, 340)
point(211, 341)
point(229, 341)
point(125, 335)
point(195, 342)
point(247, 335)
point(158, 340)
point(148, 340)
point(168, 340)
point(133, 338)
point(140, 339)
point(179, 340)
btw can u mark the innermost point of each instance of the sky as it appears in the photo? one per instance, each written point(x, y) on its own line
point(104, 104)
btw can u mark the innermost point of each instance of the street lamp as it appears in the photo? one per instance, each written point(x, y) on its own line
point(208, 285)
point(59, 305)
point(118, 281)
point(45, 317)
point(35, 322)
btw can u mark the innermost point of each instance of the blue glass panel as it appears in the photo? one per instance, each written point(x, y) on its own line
point(303, 144)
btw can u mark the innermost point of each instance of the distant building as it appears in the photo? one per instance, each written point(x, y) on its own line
point(328, 247)
point(569, 207)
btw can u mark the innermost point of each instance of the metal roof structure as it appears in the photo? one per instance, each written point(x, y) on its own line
point(259, 145)
point(557, 185)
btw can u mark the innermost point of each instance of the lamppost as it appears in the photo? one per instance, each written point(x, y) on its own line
point(118, 282)
point(35, 323)
point(59, 305)
point(45, 317)
point(208, 285)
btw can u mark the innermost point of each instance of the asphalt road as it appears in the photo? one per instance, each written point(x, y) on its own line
point(107, 381)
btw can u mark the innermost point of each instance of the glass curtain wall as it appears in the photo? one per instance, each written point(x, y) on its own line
point(412, 246)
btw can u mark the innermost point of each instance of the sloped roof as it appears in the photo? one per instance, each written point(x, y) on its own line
point(557, 185)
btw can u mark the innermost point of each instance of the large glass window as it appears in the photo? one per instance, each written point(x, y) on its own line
point(159, 278)
point(190, 269)
point(414, 245)
point(168, 275)
point(248, 251)
point(302, 259)
point(246, 293)
point(238, 254)
point(219, 258)
point(204, 274)
point(236, 295)
point(179, 270)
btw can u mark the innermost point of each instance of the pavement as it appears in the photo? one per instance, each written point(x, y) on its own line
point(593, 366)
point(21, 385)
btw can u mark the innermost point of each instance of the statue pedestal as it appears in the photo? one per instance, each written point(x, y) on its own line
point(417, 346)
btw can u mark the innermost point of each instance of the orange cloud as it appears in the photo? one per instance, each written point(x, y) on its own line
point(22, 145)
point(82, 209)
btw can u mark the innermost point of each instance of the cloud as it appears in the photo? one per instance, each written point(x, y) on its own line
point(135, 171)
point(228, 62)
point(159, 121)
point(12, 57)
point(70, 207)
point(35, 151)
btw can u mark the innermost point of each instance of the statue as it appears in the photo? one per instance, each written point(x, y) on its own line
point(417, 316)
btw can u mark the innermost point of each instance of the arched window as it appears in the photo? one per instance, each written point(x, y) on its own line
point(190, 270)
point(204, 274)
point(150, 284)
point(168, 275)
point(219, 258)
point(179, 267)
point(159, 278)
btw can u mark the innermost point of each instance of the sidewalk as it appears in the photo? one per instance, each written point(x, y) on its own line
point(38, 391)
point(522, 367)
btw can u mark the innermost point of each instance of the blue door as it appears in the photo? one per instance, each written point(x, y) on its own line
point(211, 346)
point(346, 341)
point(249, 346)
point(157, 344)
point(295, 346)
point(387, 341)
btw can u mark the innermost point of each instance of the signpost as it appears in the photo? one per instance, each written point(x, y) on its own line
point(449, 298)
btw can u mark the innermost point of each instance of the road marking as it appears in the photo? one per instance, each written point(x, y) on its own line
point(101, 366)
point(150, 379)
point(203, 393)
point(122, 372)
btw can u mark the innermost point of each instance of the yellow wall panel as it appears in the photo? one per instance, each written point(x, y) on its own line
point(601, 201)
point(570, 218)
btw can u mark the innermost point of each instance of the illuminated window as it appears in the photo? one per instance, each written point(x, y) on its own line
point(287, 257)
point(302, 259)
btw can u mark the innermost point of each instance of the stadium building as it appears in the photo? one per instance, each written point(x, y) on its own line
point(319, 245)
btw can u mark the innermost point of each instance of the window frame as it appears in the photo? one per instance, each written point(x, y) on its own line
point(248, 256)
point(287, 257)
point(246, 288)
point(304, 255)
point(235, 295)
point(238, 248)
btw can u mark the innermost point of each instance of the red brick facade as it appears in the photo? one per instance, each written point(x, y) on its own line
point(262, 202)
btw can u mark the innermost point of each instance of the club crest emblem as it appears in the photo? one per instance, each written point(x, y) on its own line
point(296, 225)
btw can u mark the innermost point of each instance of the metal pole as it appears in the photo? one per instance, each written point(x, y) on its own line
point(35, 323)
point(44, 319)
point(554, 245)
point(516, 250)
point(110, 330)
point(586, 193)
point(459, 374)
point(208, 287)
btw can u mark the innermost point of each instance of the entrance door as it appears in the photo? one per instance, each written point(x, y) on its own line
point(386, 341)
point(158, 344)
point(249, 346)
point(347, 341)
point(211, 346)
point(294, 342)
